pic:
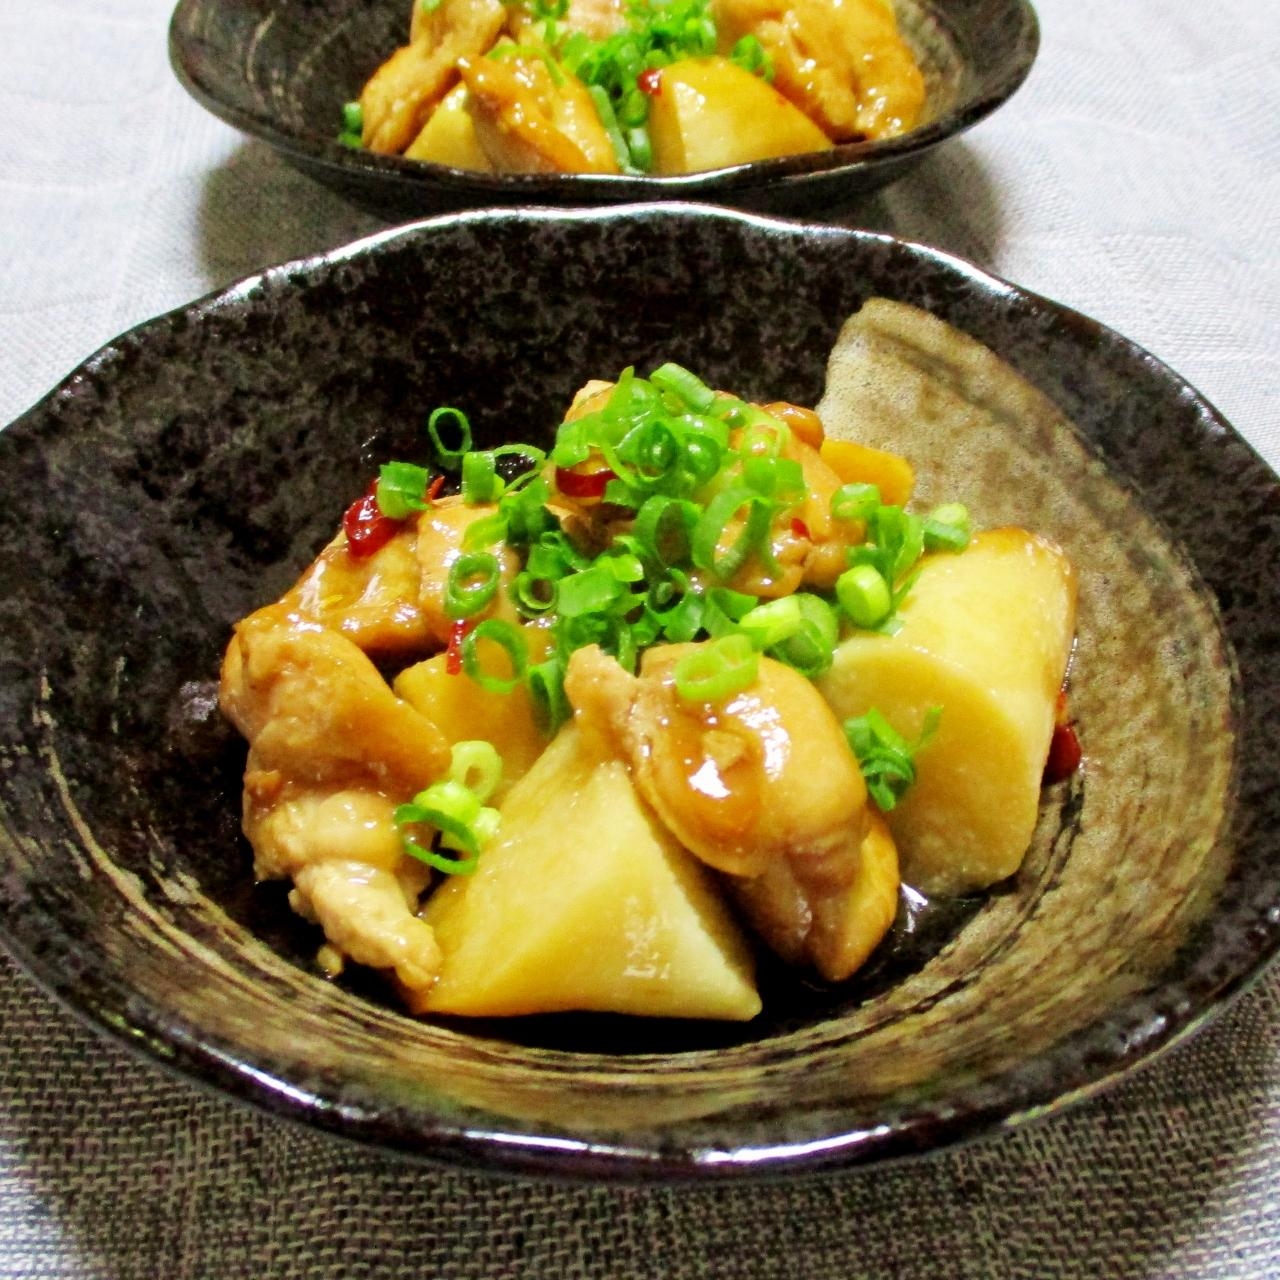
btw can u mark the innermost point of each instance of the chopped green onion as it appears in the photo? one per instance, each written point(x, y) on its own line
point(811, 649)
point(592, 590)
point(886, 758)
point(948, 527)
point(429, 6)
point(676, 380)
point(449, 456)
point(716, 670)
point(864, 595)
point(472, 583)
point(663, 530)
point(453, 809)
point(507, 636)
point(684, 620)
point(488, 531)
point(854, 501)
point(715, 520)
point(764, 437)
point(480, 479)
point(534, 596)
point(771, 623)
point(477, 765)
point(352, 118)
point(609, 122)
point(546, 688)
point(402, 489)
point(751, 56)
point(780, 478)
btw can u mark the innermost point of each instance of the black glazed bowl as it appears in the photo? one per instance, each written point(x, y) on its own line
point(189, 470)
point(281, 70)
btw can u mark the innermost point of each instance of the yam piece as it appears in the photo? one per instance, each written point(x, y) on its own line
point(986, 635)
point(585, 902)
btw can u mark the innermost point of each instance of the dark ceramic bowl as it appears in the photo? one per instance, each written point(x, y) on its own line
point(281, 70)
point(189, 470)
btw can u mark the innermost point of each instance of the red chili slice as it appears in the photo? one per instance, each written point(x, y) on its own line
point(1065, 754)
point(433, 489)
point(453, 654)
point(801, 530)
point(583, 484)
point(650, 82)
point(367, 529)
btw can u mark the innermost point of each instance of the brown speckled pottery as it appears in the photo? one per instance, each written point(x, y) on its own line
point(190, 469)
point(281, 70)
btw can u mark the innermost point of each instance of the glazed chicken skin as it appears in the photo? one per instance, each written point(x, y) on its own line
point(331, 751)
point(843, 64)
point(763, 789)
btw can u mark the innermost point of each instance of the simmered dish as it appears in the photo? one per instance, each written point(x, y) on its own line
point(693, 682)
point(636, 86)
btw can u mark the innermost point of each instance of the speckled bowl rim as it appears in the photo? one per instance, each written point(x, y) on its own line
point(851, 158)
point(1136, 1031)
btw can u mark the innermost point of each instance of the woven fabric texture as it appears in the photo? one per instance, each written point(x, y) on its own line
point(1136, 177)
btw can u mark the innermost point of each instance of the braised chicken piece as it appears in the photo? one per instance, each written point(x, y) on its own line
point(526, 121)
point(403, 92)
point(331, 752)
point(315, 709)
point(441, 529)
point(844, 65)
point(763, 788)
point(369, 916)
point(370, 599)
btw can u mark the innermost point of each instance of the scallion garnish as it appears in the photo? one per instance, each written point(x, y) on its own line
point(454, 805)
point(811, 648)
point(854, 501)
point(772, 623)
point(402, 489)
point(886, 758)
point(864, 595)
point(947, 528)
point(717, 520)
point(507, 637)
point(546, 688)
point(676, 380)
point(449, 456)
point(715, 671)
point(472, 584)
point(352, 132)
point(695, 496)
point(751, 56)
point(477, 765)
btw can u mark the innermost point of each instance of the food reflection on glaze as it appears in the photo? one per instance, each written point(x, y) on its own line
point(693, 682)
point(638, 87)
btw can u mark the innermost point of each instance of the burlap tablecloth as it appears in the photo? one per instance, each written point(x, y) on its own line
point(1136, 177)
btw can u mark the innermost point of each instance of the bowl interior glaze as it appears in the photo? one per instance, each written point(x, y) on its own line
point(281, 70)
point(188, 472)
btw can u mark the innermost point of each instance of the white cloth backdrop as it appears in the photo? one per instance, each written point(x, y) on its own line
point(1135, 177)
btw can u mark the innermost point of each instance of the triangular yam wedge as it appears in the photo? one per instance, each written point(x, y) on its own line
point(986, 635)
point(585, 902)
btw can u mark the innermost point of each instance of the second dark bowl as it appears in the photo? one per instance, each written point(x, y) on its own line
point(281, 70)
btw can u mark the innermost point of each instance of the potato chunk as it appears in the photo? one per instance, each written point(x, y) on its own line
point(461, 709)
point(449, 136)
point(986, 636)
point(709, 113)
point(585, 902)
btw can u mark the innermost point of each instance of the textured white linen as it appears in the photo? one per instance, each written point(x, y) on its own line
point(1135, 177)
